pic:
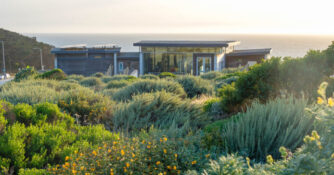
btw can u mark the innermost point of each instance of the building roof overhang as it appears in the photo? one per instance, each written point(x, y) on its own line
point(248, 52)
point(185, 43)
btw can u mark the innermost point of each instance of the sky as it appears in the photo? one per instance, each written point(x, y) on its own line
point(168, 16)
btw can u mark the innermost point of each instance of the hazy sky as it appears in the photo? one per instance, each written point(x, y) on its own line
point(168, 16)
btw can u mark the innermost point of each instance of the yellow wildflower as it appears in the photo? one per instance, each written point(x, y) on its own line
point(320, 100)
point(158, 163)
point(109, 150)
point(331, 102)
point(82, 168)
point(148, 146)
point(161, 174)
point(165, 139)
point(270, 159)
point(332, 156)
point(174, 167)
point(74, 171)
point(175, 155)
point(194, 162)
point(74, 164)
point(127, 165)
point(169, 167)
point(165, 151)
point(122, 153)
point(66, 158)
point(87, 173)
point(94, 152)
point(100, 147)
point(207, 156)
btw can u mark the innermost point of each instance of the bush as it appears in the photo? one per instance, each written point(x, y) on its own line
point(35, 91)
point(149, 76)
point(91, 81)
point(167, 75)
point(160, 109)
point(55, 74)
point(145, 86)
point(213, 107)
point(75, 77)
point(26, 73)
point(264, 128)
point(260, 82)
point(195, 86)
point(86, 106)
point(211, 75)
point(109, 92)
point(98, 74)
point(119, 77)
point(32, 171)
point(114, 84)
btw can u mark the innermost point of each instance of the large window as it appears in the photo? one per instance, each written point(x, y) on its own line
point(178, 60)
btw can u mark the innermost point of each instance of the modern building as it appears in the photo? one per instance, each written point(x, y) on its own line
point(179, 57)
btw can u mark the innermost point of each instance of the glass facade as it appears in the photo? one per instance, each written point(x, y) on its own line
point(178, 60)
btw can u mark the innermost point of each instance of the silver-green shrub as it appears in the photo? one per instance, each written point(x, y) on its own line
point(145, 86)
point(195, 86)
point(266, 127)
point(162, 110)
point(211, 75)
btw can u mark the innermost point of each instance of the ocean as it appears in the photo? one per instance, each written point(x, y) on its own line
point(282, 45)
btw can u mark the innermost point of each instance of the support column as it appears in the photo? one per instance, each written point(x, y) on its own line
point(115, 63)
point(215, 63)
point(141, 63)
point(56, 63)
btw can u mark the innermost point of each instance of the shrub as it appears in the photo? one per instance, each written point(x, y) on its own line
point(167, 75)
point(33, 171)
point(75, 77)
point(98, 74)
point(160, 109)
point(260, 82)
point(119, 77)
point(117, 84)
point(211, 75)
point(55, 74)
point(145, 86)
point(25, 74)
point(88, 107)
point(149, 76)
point(26, 114)
point(109, 92)
point(91, 81)
point(195, 86)
point(264, 128)
point(35, 91)
point(213, 107)
point(3, 121)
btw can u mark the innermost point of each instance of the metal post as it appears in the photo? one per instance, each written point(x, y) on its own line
point(41, 55)
point(3, 60)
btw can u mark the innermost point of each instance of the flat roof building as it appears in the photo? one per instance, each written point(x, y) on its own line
point(179, 57)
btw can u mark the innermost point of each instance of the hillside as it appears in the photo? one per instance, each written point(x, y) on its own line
point(19, 52)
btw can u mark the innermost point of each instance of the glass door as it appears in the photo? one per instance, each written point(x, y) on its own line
point(203, 65)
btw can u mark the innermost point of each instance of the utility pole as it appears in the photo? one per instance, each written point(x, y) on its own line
point(3, 60)
point(41, 54)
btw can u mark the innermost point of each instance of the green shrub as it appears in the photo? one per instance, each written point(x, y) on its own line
point(211, 75)
point(26, 73)
point(149, 76)
point(264, 128)
point(98, 74)
point(75, 77)
point(160, 109)
point(145, 86)
point(167, 75)
point(213, 107)
point(35, 91)
point(3, 121)
point(260, 82)
point(91, 81)
point(119, 77)
point(85, 105)
point(27, 115)
point(32, 171)
point(114, 84)
point(195, 86)
point(109, 92)
point(55, 74)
